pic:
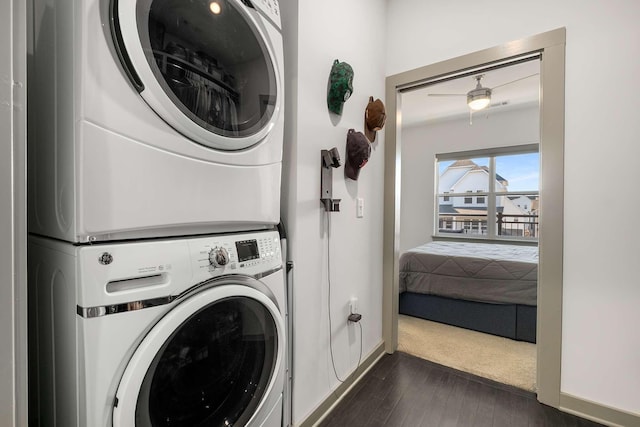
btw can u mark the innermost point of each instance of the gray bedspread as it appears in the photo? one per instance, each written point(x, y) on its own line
point(472, 271)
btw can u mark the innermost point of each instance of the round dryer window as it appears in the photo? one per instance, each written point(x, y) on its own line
point(207, 67)
point(211, 361)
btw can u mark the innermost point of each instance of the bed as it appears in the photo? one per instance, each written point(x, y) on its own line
point(487, 287)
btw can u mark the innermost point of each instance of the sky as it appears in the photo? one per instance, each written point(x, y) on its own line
point(522, 171)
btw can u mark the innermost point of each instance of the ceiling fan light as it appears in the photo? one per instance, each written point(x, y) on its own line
point(478, 99)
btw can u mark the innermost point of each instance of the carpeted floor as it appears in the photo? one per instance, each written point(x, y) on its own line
point(500, 359)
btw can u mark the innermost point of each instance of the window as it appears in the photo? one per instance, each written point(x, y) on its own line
point(480, 199)
point(468, 200)
point(504, 183)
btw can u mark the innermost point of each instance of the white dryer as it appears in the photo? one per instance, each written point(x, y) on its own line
point(183, 332)
point(154, 118)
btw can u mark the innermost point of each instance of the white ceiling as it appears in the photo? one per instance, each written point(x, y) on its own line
point(418, 106)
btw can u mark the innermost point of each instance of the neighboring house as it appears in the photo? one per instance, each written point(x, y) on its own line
point(465, 211)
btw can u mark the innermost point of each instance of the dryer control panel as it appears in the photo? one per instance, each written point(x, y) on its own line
point(252, 254)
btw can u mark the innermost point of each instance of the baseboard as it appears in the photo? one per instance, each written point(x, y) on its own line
point(325, 407)
point(597, 412)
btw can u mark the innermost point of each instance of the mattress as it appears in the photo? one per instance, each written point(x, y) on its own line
point(485, 272)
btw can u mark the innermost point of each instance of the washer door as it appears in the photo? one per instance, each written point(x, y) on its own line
point(203, 66)
point(212, 360)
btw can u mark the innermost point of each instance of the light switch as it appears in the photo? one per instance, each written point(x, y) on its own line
point(359, 207)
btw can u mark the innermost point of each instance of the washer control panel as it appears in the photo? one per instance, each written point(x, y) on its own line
point(246, 253)
point(218, 257)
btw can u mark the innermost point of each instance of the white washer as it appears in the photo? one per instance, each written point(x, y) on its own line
point(182, 332)
point(154, 118)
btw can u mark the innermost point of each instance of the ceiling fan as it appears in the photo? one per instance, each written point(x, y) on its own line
point(480, 97)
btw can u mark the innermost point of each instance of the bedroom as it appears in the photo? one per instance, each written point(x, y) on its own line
point(449, 147)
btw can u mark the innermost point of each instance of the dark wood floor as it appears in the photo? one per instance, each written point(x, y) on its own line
point(403, 390)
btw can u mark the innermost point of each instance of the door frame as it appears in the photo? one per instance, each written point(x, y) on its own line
point(551, 48)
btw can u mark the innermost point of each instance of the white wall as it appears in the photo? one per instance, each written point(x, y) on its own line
point(350, 31)
point(601, 294)
point(6, 222)
point(421, 143)
point(13, 388)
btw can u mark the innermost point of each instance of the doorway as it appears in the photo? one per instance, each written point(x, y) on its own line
point(480, 221)
point(550, 47)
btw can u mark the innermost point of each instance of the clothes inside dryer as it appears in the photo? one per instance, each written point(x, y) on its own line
point(215, 67)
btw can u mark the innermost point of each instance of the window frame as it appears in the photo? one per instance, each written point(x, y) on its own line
point(490, 196)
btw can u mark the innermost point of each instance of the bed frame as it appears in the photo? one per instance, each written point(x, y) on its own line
point(513, 321)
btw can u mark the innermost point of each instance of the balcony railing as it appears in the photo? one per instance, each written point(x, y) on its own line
point(512, 225)
point(515, 225)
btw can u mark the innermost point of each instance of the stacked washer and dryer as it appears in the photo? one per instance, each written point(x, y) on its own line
point(156, 281)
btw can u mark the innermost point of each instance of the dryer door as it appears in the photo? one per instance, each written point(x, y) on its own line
point(214, 360)
point(205, 66)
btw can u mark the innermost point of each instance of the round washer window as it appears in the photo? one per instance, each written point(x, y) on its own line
point(211, 62)
point(214, 368)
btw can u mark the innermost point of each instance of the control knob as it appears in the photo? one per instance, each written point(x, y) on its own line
point(218, 257)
